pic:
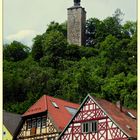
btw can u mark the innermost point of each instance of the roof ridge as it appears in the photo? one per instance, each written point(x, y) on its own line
point(46, 102)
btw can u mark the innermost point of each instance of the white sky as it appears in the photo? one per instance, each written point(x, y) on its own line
point(24, 19)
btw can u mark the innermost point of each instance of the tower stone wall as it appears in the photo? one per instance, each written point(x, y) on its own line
point(76, 25)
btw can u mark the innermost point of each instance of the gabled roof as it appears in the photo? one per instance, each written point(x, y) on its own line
point(56, 109)
point(121, 119)
point(11, 121)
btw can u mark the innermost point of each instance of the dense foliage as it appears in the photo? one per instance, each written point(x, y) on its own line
point(106, 67)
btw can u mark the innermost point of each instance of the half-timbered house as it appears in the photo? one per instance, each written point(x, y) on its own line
point(98, 119)
point(46, 119)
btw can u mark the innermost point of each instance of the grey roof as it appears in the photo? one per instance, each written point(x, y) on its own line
point(11, 121)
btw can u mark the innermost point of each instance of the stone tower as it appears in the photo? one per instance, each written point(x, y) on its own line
point(76, 24)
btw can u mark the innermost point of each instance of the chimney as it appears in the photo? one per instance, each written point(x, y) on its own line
point(119, 105)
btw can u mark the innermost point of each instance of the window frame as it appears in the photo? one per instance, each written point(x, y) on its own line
point(38, 122)
point(34, 122)
point(89, 127)
point(29, 124)
point(84, 127)
point(43, 122)
point(95, 126)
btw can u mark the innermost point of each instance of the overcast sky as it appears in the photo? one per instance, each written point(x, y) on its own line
point(24, 19)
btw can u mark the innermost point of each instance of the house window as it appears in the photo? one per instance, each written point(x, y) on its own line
point(90, 126)
point(38, 122)
point(43, 121)
point(29, 124)
point(34, 123)
point(93, 126)
point(4, 133)
point(85, 127)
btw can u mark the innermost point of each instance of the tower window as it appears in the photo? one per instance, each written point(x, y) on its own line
point(34, 123)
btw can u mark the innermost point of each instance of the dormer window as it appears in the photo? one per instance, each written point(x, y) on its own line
point(131, 115)
point(71, 110)
point(55, 105)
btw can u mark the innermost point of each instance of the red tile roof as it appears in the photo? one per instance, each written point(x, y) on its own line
point(121, 118)
point(60, 115)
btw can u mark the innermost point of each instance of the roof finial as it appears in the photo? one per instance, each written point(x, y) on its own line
point(77, 2)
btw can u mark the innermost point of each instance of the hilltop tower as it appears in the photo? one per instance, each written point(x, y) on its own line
point(76, 24)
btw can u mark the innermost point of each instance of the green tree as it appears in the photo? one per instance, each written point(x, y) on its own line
point(106, 67)
point(129, 29)
point(54, 46)
point(97, 31)
point(55, 26)
point(37, 49)
point(15, 51)
point(130, 99)
point(114, 88)
point(109, 48)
